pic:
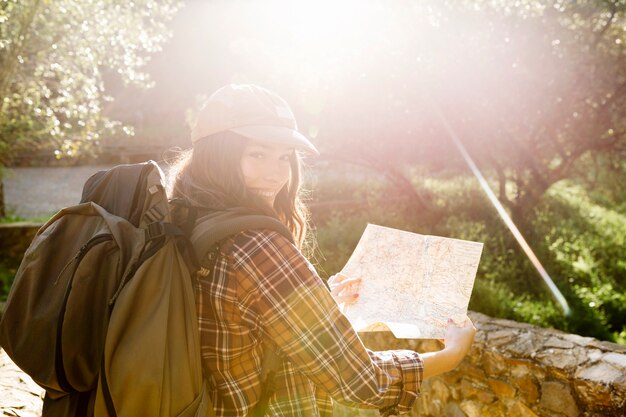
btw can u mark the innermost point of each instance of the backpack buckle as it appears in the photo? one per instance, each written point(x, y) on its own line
point(155, 230)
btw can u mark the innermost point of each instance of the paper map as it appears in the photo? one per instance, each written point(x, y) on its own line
point(411, 283)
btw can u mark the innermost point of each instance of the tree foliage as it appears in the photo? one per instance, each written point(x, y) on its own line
point(531, 87)
point(569, 96)
point(55, 59)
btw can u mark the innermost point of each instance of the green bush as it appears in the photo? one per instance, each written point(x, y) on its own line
point(586, 242)
point(7, 274)
point(579, 242)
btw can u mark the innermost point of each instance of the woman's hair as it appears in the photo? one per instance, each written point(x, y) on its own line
point(209, 176)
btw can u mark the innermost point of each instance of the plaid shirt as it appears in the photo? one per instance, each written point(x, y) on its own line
point(263, 288)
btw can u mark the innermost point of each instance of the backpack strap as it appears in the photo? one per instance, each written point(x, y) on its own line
point(207, 234)
point(189, 214)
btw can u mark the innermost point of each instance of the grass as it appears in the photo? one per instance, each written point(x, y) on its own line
point(6, 279)
point(14, 218)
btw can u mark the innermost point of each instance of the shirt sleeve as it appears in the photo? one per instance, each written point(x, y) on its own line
point(301, 317)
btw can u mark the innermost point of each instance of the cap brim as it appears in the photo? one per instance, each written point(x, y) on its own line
point(277, 134)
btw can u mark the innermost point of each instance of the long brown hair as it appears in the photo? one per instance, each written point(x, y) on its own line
point(209, 176)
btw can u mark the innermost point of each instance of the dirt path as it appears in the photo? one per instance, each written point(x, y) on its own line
point(19, 395)
point(42, 191)
point(33, 192)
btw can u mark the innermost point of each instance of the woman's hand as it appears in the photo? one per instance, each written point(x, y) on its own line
point(458, 340)
point(343, 289)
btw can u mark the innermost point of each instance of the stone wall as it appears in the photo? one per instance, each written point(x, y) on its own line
point(513, 370)
point(516, 369)
point(14, 240)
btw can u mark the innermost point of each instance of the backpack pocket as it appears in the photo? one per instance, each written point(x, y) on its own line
point(84, 314)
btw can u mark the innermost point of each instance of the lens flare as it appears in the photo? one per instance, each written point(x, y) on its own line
point(505, 217)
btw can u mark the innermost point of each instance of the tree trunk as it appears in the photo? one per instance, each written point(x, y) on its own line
point(404, 187)
point(2, 208)
point(418, 204)
point(522, 207)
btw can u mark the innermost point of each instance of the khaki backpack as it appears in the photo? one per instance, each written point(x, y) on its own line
point(102, 312)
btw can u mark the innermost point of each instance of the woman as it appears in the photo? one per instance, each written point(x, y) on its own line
point(246, 153)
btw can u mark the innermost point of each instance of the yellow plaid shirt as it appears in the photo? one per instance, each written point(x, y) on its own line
point(263, 288)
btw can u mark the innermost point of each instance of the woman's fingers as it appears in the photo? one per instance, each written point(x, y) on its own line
point(336, 279)
point(347, 284)
point(340, 280)
point(344, 289)
point(460, 335)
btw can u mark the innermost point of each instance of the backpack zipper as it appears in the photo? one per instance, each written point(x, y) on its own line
point(58, 360)
point(81, 252)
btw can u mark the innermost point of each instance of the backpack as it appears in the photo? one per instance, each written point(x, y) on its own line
point(102, 312)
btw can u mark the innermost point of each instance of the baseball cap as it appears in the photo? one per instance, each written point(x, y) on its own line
point(253, 112)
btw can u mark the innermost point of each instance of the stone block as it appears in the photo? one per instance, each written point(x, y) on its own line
point(486, 397)
point(427, 405)
point(607, 346)
point(524, 346)
point(476, 390)
point(453, 410)
point(559, 374)
point(440, 390)
point(579, 340)
point(502, 389)
point(496, 409)
point(527, 387)
point(596, 394)
point(457, 392)
point(501, 337)
point(557, 397)
point(512, 324)
point(474, 372)
point(474, 357)
point(494, 363)
point(618, 400)
point(594, 354)
point(566, 359)
point(617, 359)
point(519, 409)
point(521, 367)
point(453, 379)
point(437, 407)
point(469, 388)
point(557, 342)
point(601, 372)
point(471, 408)
point(480, 339)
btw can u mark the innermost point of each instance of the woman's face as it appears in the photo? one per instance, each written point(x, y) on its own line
point(266, 168)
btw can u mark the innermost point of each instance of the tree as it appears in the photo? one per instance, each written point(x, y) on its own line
point(531, 87)
point(56, 58)
point(566, 98)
